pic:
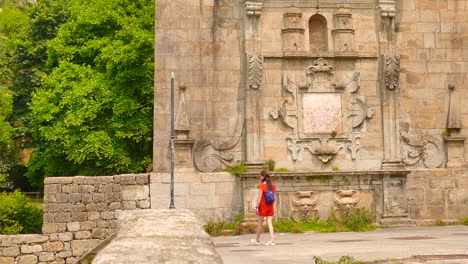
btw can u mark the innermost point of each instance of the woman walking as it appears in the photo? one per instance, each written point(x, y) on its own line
point(265, 207)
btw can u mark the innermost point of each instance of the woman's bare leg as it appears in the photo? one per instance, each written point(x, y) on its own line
point(270, 228)
point(259, 226)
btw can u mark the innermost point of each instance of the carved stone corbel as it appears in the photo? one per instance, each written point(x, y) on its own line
point(253, 9)
point(345, 201)
point(325, 150)
point(387, 13)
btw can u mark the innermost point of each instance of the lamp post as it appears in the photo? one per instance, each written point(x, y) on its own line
point(171, 206)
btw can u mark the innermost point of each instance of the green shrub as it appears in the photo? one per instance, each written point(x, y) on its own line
point(286, 226)
point(269, 165)
point(465, 220)
point(281, 170)
point(440, 223)
point(358, 220)
point(18, 215)
point(237, 169)
point(214, 228)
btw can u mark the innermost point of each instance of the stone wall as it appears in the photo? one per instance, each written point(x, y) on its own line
point(79, 212)
point(437, 193)
point(211, 196)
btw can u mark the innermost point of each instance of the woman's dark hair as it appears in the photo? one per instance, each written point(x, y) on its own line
point(266, 178)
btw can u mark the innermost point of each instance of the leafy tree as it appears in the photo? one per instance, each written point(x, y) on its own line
point(17, 215)
point(12, 24)
point(93, 112)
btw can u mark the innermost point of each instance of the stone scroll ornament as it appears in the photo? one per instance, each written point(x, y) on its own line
point(304, 206)
point(213, 153)
point(422, 148)
point(392, 71)
point(255, 70)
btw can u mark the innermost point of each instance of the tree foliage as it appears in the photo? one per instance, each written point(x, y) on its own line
point(92, 114)
point(17, 215)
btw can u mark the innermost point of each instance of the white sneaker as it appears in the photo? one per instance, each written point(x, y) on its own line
point(270, 243)
point(255, 242)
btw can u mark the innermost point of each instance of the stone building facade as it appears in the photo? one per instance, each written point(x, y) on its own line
point(362, 87)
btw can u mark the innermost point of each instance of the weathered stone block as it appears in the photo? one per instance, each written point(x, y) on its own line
point(98, 233)
point(105, 188)
point(7, 260)
point(73, 226)
point(458, 197)
point(142, 179)
point(79, 216)
point(26, 249)
point(125, 179)
point(135, 192)
point(49, 228)
point(107, 215)
point(128, 205)
point(27, 259)
point(74, 197)
point(102, 223)
point(51, 189)
point(457, 211)
point(436, 212)
point(435, 197)
point(106, 179)
point(86, 198)
point(199, 202)
point(98, 197)
point(82, 234)
point(91, 207)
point(65, 236)
point(53, 246)
point(86, 188)
point(29, 238)
point(415, 196)
point(46, 256)
point(80, 247)
point(115, 206)
point(143, 204)
point(65, 254)
point(71, 188)
point(58, 180)
point(102, 206)
point(461, 182)
point(93, 216)
point(12, 251)
point(62, 217)
point(87, 225)
point(49, 198)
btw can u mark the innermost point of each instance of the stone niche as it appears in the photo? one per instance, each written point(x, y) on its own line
point(305, 196)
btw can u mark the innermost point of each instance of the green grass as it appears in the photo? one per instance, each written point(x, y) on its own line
point(237, 169)
point(440, 223)
point(319, 178)
point(356, 220)
point(465, 220)
point(342, 260)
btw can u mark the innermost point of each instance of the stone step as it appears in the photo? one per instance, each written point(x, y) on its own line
point(397, 222)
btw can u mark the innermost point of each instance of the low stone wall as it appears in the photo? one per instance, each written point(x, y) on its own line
point(178, 239)
point(437, 193)
point(79, 212)
point(211, 196)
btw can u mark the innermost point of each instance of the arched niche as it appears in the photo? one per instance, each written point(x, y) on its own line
point(318, 38)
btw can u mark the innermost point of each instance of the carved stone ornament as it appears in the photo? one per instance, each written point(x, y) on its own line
point(360, 111)
point(387, 8)
point(212, 153)
point(354, 146)
point(253, 7)
point(324, 150)
point(320, 74)
point(304, 206)
point(255, 70)
point(182, 124)
point(422, 148)
point(392, 71)
point(345, 201)
point(314, 109)
point(293, 30)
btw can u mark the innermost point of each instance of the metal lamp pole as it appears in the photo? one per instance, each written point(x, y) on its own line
point(171, 206)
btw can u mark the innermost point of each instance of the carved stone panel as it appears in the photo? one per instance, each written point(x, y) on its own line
point(392, 70)
point(322, 113)
point(292, 31)
point(394, 197)
point(303, 206)
point(345, 201)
